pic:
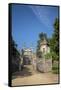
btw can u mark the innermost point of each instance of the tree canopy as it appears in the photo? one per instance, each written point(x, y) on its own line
point(54, 41)
point(42, 36)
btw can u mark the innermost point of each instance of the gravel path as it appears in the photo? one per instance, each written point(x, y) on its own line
point(31, 78)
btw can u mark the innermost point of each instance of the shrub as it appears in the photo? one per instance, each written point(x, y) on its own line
point(55, 68)
point(54, 56)
point(48, 56)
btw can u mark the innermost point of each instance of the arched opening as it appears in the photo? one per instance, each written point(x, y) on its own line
point(26, 60)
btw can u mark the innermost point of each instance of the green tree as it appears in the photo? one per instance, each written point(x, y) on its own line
point(42, 36)
point(54, 41)
point(15, 56)
point(15, 52)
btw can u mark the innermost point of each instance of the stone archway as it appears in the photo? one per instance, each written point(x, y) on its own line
point(26, 60)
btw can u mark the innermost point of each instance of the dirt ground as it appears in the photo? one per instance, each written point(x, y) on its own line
point(29, 77)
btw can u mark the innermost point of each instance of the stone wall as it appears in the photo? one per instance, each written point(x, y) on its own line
point(44, 65)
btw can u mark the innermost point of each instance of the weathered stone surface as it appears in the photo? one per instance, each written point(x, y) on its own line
point(44, 65)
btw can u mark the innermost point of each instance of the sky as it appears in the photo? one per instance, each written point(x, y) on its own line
point(28, 21)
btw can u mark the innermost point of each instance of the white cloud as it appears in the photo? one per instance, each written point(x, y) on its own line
point(42, 14)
